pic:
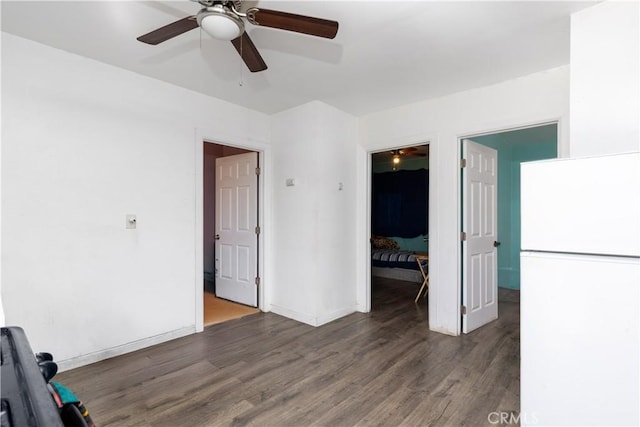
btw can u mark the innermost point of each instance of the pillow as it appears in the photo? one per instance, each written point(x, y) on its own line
point(380, 242)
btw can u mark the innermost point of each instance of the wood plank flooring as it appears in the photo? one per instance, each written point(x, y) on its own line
point(382, 368)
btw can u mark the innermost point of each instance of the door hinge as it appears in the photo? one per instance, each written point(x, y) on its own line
point(463, 236)
point(257, 280)
point(463, 309)
point(463, 163)
point(258, 171)
point(257, 229)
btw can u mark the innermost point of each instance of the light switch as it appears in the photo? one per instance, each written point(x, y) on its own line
point(131, 221)
point(290, 182)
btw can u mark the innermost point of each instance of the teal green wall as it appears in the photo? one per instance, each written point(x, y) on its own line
point(513, 148)
point(414, 244)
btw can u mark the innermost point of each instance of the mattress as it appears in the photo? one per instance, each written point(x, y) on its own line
point(390, 258)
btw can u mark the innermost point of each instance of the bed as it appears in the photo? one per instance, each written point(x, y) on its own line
point(389, 261)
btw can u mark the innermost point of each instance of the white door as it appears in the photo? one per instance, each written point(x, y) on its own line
point(236, 233)
point(479, 222)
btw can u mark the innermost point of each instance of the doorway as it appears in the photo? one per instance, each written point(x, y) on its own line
point(513, 147)
point(220, 302)
point(399, 224)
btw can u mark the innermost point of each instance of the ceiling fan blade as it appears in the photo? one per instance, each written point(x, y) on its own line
point(413, 152)
point(292, 22)
point(169, 31)
point(249, 53)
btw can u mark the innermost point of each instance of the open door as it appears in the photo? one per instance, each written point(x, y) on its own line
point(236, 244)
point(480, 241)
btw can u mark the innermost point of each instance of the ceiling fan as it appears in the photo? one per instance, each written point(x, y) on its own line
point(396, 155)
point(223, 20)
point(410, 152)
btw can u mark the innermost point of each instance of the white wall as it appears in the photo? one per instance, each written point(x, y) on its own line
point(314, 221)
point(537, 98)
point(84, 144)
point(605, 89)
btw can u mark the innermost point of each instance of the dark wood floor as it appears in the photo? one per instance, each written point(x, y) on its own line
point(382, 368)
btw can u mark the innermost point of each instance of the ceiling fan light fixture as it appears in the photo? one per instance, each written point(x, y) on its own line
point(220, 23)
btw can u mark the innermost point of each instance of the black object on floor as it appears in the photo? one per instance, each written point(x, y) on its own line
point(26, 401)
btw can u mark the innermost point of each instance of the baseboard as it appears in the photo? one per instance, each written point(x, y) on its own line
point(294, 315)
point(334, 315)
point(76, 362)
point(444, 331)
point(310, 319)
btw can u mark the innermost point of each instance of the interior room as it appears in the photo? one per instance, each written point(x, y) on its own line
point(400, 219)
point(217, 308)
point(109, 108)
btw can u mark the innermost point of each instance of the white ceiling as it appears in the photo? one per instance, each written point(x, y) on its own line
point(386, 54)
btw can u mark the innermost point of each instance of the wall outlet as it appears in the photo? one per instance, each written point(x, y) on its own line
point(131, 221)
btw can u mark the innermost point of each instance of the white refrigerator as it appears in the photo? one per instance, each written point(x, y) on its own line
point(580, 299)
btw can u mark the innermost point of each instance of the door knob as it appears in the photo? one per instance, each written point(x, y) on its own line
point(496, 244)
point(217, 237)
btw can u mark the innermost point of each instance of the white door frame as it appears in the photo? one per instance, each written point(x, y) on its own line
point(205, 136)
point(411, 142)
point(562, 151)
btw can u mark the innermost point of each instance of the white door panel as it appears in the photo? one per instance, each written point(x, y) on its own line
point(236, 221)
point(480, 261)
